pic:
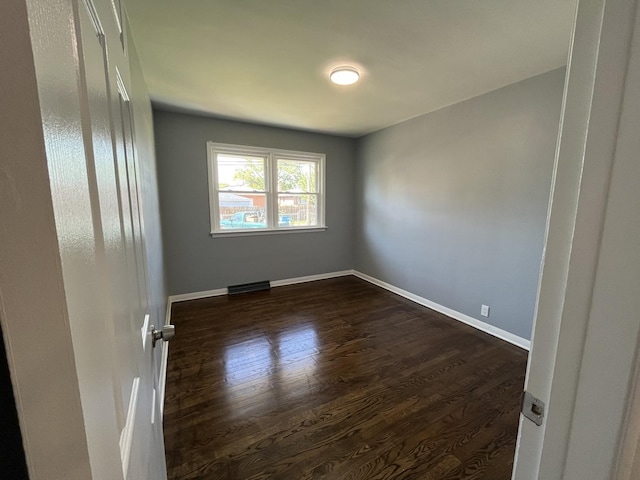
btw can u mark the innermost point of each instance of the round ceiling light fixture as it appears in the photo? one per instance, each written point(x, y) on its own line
point(344, 75)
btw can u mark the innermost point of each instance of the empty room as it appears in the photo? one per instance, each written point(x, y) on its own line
point(320, 240)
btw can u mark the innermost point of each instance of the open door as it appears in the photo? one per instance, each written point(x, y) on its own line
point(585, 339)
point(76, 305)
point(114, 179)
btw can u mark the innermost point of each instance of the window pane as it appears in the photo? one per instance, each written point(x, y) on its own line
point(242, 211)
point(296, 210)
point(297, 176)
point(240, 172)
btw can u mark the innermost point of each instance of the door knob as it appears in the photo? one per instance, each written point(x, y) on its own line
point(166, 333)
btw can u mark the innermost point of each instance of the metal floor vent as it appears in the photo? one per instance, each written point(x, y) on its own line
point(249, 287)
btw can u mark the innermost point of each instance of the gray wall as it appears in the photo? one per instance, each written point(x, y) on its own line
point(451, 205)
point(194, 260)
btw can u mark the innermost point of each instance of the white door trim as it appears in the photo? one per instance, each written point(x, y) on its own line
point(568, 339)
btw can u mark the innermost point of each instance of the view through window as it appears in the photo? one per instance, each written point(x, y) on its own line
point(253, 189)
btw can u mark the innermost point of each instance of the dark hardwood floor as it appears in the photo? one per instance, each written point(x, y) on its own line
point(336, 379)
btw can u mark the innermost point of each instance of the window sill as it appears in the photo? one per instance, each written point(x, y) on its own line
point(251, 233)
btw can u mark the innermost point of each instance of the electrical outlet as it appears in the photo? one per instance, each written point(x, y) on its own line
point(484, 310)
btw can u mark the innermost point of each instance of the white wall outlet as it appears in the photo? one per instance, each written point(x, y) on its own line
point(484, 310)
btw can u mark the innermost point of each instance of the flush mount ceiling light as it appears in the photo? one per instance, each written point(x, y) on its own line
point(344, 75)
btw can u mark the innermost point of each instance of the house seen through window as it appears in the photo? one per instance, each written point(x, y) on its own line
point(254, 190)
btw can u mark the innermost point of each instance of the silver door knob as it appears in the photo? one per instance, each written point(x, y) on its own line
point(166, 333)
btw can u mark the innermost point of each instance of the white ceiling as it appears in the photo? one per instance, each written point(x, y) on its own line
point(268, 61)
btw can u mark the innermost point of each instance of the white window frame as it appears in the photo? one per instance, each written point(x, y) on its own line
point(271, 187)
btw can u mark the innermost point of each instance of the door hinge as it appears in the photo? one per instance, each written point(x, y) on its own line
point(532, 408)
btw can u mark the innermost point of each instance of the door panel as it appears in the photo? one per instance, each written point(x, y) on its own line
point(112, 170)
point(133, 192)
point(147, 408)
point(102, 172)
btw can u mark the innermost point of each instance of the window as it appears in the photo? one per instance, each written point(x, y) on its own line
point(254, 190)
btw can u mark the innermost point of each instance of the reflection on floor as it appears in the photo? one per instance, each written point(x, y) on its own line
point(336, 379)
point(287, 365)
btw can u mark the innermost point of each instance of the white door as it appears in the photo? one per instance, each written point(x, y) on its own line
point(586, 330)
point(113, 175)
point(74, 300)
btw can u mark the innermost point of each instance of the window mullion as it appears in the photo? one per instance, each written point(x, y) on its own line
point(272, 195)
point(320, 192)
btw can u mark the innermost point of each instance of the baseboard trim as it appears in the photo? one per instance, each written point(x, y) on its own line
point(183, 297)
point(461, 317)
point(310, 278)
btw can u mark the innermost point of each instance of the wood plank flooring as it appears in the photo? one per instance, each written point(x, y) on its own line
point(336, 379)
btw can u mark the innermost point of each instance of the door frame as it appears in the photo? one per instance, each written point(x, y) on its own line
point(585, 336)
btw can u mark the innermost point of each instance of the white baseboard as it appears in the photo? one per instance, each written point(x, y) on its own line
point(461, 317)
point(183, 297)
point(310, 278)
point(474, 322)
point(274, 283)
